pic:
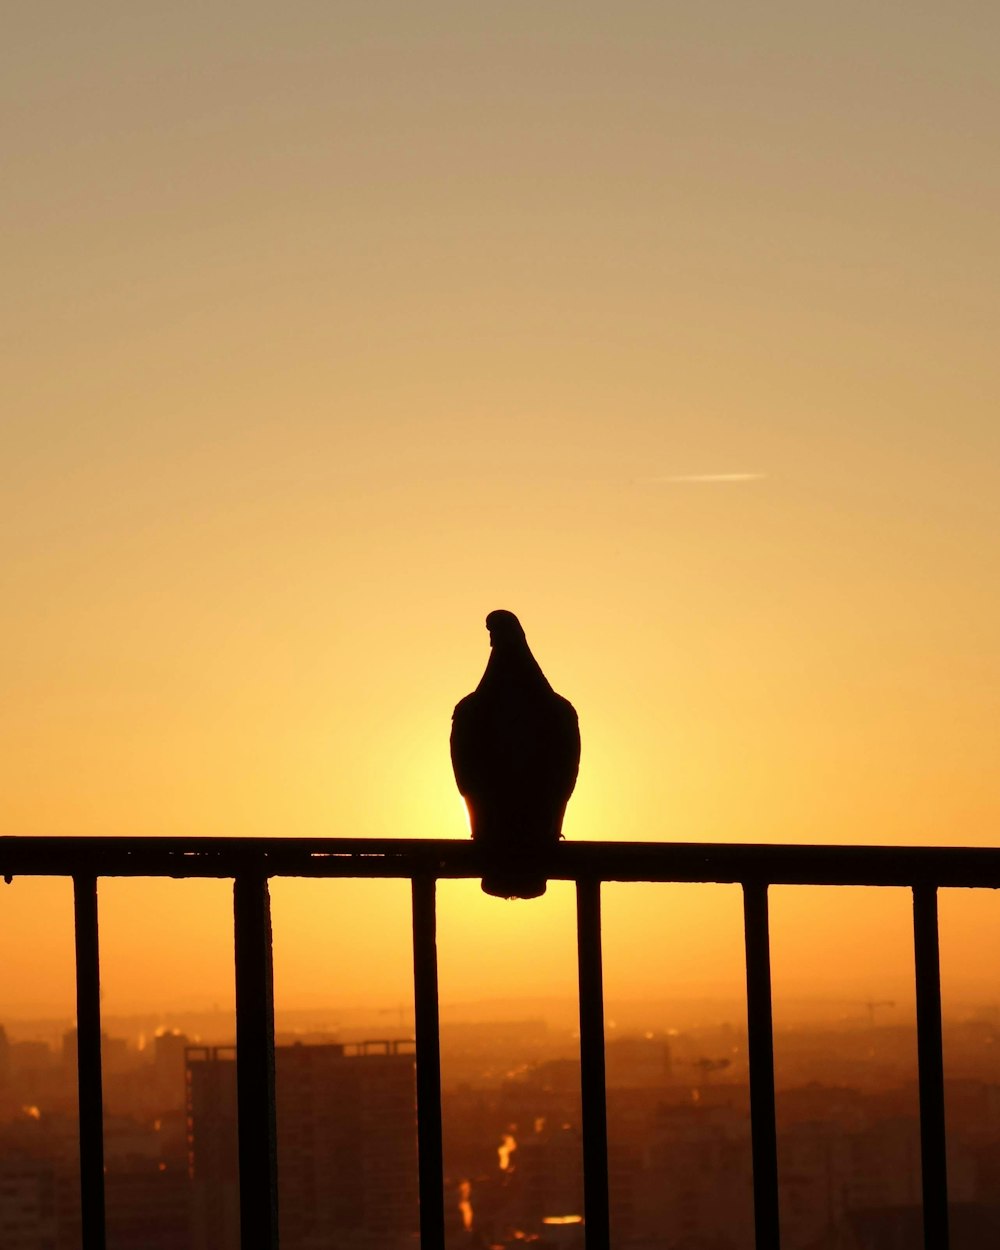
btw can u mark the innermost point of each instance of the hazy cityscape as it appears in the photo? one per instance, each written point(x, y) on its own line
point(678, 1125)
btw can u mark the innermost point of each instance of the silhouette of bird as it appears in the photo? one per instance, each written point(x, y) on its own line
point(515, 748)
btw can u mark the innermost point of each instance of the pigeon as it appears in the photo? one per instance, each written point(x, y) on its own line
point(515, 748)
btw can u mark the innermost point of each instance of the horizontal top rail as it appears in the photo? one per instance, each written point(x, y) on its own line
point(715, 862)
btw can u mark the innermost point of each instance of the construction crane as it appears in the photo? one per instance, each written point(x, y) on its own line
point(707, 1066)
point(872, 1004)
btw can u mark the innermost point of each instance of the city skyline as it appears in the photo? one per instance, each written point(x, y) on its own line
point(678, 1121)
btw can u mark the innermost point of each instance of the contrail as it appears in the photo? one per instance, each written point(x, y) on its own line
point(706, 478)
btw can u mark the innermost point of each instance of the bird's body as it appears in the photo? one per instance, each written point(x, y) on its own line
point(515, 747)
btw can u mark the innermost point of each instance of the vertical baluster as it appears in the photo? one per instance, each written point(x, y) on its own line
point(930, 1059)
point(592, 1069)
point(763, 1129)
point(88, 1059)
point(255, 1063)
point(429, 1132)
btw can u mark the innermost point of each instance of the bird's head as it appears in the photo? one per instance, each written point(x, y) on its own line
point(505, 629)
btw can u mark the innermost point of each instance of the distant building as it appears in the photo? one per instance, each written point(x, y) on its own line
point(638, 1063)
point(169, 1065)
point(695, 1177)
point(148, 1205)
point(27, 1204)
point(547, 1182)
point(210, 1077)
point(346, 1118)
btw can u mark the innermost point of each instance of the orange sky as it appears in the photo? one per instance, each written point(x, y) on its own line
point(332, 329)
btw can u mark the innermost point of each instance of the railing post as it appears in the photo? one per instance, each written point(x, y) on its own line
point(760, 1036)
point(427, 1027)
point(255, 1063)
point(596, 1205)
point(930, 1062)
point(88, 1063)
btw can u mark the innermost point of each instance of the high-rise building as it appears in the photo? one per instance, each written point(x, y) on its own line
point(27, 1204)
point(346, 1121)
point(169, 1063)
point(210, 1079)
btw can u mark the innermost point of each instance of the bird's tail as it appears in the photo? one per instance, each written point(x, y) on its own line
point(514, 880)
point(516, 850)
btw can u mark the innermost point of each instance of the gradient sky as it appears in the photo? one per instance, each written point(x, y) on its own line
point(330, 328)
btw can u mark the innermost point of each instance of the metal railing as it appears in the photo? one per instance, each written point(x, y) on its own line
point(250, 862)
